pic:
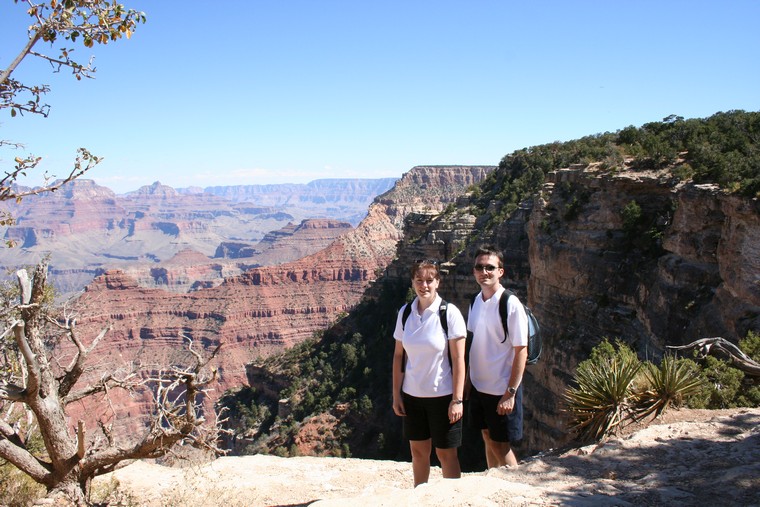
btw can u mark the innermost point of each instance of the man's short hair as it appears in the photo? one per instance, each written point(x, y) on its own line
point(490, 250)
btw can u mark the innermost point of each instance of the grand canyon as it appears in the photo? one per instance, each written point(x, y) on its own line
point(686, 269)
point(157, 233)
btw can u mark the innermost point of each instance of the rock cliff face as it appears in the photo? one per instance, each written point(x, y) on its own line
point(427, 190)
point(587, 281)
point(265, 308)
point(296, 241)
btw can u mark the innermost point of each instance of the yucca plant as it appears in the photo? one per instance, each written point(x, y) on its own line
point(605, 394)
point(668, 384)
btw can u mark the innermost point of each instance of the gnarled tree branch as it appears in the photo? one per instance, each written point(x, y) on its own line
point(32, 365)
point(175, 417)
point(76, 367)
point(722, 347)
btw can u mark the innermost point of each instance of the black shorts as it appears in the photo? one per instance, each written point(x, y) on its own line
point(428, 418)
point(501, 428)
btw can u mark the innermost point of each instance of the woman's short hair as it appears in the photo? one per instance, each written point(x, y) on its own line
point(425, 264)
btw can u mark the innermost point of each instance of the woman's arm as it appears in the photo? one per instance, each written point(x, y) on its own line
point(456, 407)
point(398, 379)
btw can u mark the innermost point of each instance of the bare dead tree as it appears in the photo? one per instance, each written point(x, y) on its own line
point(721, 347)
point(31, 377)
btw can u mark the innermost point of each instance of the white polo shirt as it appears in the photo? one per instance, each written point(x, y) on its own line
point(490, 359)
point(428, 371)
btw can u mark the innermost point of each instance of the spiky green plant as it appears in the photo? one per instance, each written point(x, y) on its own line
point(605, 395)
point(668, 384)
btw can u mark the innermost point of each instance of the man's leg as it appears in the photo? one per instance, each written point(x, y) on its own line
point(421, 460)
point(498, 454)
point(449, 463)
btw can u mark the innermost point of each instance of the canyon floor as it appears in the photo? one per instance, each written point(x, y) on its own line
point(685, 457)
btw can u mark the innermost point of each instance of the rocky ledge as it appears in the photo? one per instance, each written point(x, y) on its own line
point(688, 457)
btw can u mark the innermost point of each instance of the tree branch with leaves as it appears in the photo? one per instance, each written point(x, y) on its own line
point(89, 21)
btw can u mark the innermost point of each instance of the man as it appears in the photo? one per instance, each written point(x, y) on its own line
point(496, 365)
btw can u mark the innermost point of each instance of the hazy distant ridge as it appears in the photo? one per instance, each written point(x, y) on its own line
point(322, 190)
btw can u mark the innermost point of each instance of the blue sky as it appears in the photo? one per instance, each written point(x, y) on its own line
point(257, 92)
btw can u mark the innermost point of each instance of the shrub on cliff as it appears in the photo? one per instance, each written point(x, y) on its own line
point(726, 386)
point(670, 383)
point(720, 149)
point(614, 388)
point(604, 395)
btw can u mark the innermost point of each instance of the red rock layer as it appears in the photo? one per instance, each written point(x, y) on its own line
point(265, 308)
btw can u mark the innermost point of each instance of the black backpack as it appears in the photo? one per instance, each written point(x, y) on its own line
point(534, 330)
point(444, 323)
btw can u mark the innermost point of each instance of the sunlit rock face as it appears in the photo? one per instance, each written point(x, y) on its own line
point(690, 270)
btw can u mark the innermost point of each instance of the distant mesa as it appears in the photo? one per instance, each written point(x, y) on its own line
point(87, 227)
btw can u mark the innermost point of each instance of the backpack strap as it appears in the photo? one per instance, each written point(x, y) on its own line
point(443, 316)
point(405, 315)
point(503, 312)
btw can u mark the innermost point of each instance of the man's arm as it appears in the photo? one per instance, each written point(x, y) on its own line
point(507, 401)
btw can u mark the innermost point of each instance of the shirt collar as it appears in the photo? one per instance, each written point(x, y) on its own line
point(432, 308)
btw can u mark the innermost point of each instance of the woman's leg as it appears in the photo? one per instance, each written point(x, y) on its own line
point(449, 462)
point(421, 460)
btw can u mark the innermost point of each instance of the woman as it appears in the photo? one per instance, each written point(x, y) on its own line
point(428, 375)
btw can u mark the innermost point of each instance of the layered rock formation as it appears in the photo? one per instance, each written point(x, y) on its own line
point(294, 241)
point(265, 308)
point(342, 198)
point(190, 270)
point(87, 229)
point(589, 281)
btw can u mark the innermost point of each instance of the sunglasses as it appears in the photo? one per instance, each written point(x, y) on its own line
point(430, 262)
point(486, 267)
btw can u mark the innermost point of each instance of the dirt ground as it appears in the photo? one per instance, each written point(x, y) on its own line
point(686, 457)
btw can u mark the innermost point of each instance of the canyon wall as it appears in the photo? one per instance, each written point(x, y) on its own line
point(265, 308)
point(688, 268)
point(588, 280)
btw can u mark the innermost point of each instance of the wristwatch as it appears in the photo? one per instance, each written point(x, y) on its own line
point(456, 402)
point(512, 390)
